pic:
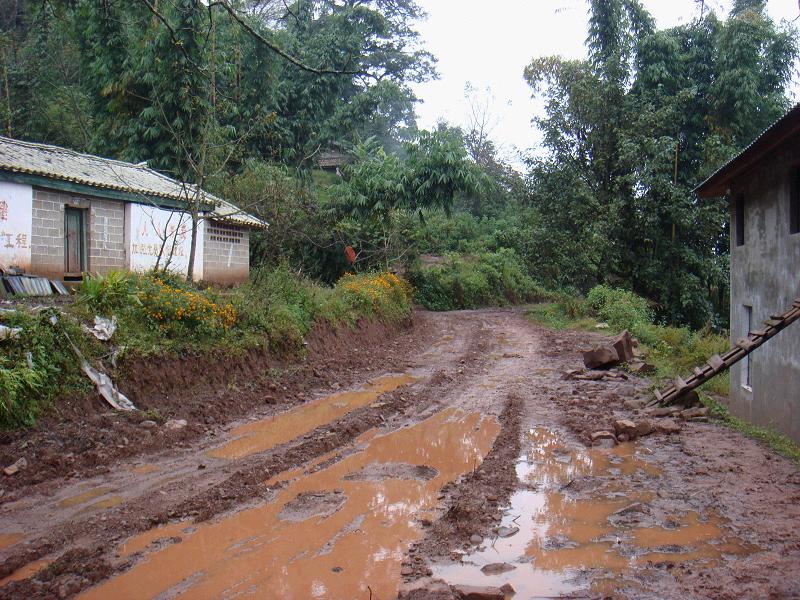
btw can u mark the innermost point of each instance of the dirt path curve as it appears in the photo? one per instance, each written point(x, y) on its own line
point(471, 429)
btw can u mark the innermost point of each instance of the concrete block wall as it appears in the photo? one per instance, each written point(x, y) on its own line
point(47, 234)
point(226, 258)
point(106, 236)
point(105, 233)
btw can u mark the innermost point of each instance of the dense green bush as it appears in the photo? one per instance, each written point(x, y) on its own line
point(106, 293)
point(621, 309)
point(39, 364)
point(475, 280)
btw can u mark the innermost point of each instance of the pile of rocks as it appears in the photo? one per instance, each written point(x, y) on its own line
point(665, 420)
point(623, 349)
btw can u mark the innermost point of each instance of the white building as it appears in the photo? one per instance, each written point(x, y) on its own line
point(63, 214)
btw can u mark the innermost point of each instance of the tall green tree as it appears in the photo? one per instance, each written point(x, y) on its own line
point(635, 127)
point(382, 189)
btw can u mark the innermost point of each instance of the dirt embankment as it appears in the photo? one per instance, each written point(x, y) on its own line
point(82, 437)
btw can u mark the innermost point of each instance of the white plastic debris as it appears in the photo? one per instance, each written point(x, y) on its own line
point(103, 328)
point(106, 388)
point(8, 333)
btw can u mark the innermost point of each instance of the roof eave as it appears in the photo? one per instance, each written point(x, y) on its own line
point(65, 185)
point(772, 138)
point(249, 222)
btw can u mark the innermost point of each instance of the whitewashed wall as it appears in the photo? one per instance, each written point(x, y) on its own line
point(16, 224)
point(146, 228)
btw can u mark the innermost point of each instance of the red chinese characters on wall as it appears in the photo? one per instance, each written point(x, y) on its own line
point(10, 239)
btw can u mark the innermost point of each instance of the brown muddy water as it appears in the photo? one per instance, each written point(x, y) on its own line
point(85, 497)
point(265, 434)
point(9, 539)
point(563, 536)
point(338, 530)
point(27, 571)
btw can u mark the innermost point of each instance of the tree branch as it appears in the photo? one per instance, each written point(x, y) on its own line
point(171, 30)
point(272, 46)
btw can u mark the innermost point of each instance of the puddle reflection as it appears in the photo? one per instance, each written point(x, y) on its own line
point(354, 533)
point(562, 536)
point(283, 427)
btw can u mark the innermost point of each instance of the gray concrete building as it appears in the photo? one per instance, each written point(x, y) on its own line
point(64, 214)
point(762, 186)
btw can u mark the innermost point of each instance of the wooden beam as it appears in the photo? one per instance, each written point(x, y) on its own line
point(716, 363)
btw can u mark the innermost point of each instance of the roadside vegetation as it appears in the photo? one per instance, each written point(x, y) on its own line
point(464, 281)
point(671, 350)
point(158, 314)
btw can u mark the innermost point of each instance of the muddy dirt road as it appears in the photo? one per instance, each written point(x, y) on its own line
point(450, 454)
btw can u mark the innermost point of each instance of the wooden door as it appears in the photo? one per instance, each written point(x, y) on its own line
point(74, 241)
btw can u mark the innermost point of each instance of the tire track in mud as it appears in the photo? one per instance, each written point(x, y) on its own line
point(78, 568)
point(474, 504)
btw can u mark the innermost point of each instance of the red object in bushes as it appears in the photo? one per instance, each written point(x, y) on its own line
point(350, 254)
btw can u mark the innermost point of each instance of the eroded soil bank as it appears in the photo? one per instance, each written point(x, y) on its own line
point(82, 436)
point(453, 453)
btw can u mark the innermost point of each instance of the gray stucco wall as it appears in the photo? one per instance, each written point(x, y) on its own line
point(765, 275)
point(105, 229)
point(226, 253)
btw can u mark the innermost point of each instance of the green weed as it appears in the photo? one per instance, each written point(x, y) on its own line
point(777, 442)
point(107, 293)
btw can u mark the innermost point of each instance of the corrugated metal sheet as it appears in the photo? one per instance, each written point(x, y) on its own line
point(25, 285)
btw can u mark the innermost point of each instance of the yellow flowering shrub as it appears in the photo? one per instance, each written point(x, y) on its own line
point(384, 293)
point(169, 305)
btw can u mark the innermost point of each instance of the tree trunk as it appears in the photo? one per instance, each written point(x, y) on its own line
point(6, 60)
point(193, 246)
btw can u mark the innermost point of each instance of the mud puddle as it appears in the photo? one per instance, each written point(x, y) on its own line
point(340, 531)
point(84, 497)
point(265, 434)
point(9, 539)
point(585, 510)
point(27, 571)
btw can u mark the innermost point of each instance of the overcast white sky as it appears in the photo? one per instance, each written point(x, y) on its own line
point(490, 43)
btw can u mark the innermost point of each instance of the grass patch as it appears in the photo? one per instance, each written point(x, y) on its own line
point(671, 350)
point(555, 316)
point(776, 441)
